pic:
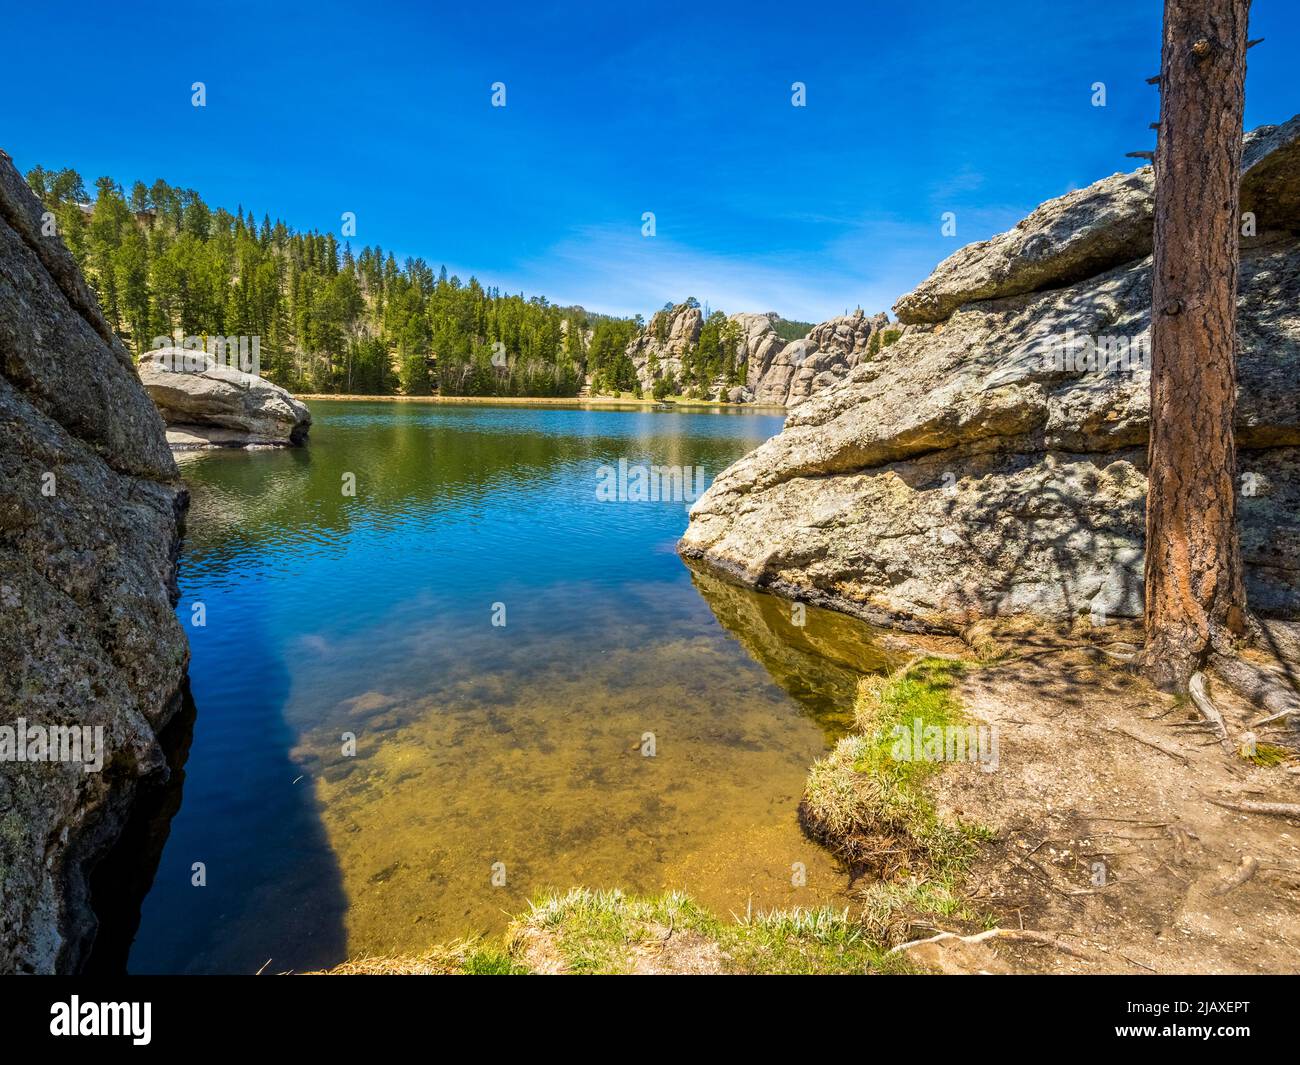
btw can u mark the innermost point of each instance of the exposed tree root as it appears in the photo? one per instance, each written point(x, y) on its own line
point(1248, 868)
point(1264, 688)
point(1154, 746)
point(1246, 806)
point(1211, 713)
point(1024, 935)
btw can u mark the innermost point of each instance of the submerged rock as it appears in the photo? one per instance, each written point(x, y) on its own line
point(207, 404)
point(994, 463)
point(90, 506)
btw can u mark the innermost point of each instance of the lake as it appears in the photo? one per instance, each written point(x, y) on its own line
point(476, 678)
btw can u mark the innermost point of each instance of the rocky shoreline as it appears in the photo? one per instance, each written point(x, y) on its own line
point(776, 372)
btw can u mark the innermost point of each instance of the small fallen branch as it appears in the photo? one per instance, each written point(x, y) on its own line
point(1273, 717)
point(1154, 746)
point(1118, 656)
point(1024, 935)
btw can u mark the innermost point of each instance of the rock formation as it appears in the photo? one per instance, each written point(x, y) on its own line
point(823, 357)
point(658, 350)
point(991, 460)
point(207, 404)
point(759, 347)
point(775, 372)
point(90, 505)
point(1086, 232)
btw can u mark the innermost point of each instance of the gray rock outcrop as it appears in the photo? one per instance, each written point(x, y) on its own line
point(759, 346)
point(994, 462)
point(1086, 232)
point(90, 506)
point(208, 404)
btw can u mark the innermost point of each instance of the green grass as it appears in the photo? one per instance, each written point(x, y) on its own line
point(491, 962)
point(609, 932)
point(889, 906)
point(807, 942)
point(599, 931)
point(870, 805)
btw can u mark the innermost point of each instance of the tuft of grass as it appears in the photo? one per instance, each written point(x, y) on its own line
point(491, 962)
point(1269, 754)
point(601, 931)
point(805, 942)
point(869, 806)
point(611, 932)
point(889, 907)
point(465, 956)
point(986, 647)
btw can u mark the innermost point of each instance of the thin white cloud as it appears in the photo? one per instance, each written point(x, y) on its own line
point(617, 271)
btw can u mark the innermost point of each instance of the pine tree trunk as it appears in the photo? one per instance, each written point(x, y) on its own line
point(1195, 594)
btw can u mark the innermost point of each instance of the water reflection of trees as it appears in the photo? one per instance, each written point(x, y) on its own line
point(409, 462)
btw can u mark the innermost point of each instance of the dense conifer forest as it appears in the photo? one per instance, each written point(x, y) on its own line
point(329, 319)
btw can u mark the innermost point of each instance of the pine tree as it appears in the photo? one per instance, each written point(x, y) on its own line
point(1195, 592)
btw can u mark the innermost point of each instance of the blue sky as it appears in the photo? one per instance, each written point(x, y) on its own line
point(613, 110)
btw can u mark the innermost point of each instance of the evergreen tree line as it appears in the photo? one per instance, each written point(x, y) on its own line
point(161, 262)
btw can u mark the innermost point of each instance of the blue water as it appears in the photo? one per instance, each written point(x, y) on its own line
point(372, 614)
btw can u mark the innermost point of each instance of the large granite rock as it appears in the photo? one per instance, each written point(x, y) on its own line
point(759, 346)
point(1066, 239)
point(978, 470)
point(209, 404)
point(1085, 232)
point(90, 504)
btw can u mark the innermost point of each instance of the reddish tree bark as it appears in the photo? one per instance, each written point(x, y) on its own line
point(1195, 593)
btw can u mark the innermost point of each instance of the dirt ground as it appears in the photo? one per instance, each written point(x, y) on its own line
point(1111, 854)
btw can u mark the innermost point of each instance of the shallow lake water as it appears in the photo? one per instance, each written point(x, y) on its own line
point(506, 648)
